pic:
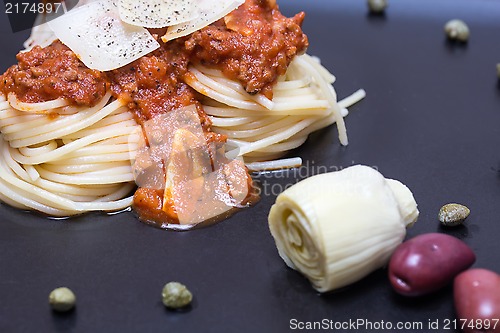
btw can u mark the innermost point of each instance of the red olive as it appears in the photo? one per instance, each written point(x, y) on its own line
point(427, 263)
point(477, 300)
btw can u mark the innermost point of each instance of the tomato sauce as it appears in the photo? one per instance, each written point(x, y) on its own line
point(44, 74)
point(254, 44)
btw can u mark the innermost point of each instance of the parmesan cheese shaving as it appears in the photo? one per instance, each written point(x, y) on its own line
point(209, 11)
point(156, 13)
point(100, 38)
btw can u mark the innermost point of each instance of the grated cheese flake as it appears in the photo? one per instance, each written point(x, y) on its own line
point(209, 11)
point(100, 38)
point(156, 13)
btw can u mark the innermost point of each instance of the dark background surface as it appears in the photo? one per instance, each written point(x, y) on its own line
point(431, 119)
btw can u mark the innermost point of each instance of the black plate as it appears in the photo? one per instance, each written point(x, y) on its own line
point(431, 119)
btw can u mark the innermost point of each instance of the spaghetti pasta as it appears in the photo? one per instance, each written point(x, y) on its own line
point(260, 129)
point(66, 164)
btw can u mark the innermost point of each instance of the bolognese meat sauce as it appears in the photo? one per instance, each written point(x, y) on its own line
point(254, 44)
point(44, 74)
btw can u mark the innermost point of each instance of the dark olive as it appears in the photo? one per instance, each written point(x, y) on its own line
point(427, 263)
point(477, 300)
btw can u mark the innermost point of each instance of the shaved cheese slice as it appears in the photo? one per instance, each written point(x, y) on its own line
point(209, 11)
point(156, 13)
point(100, 38)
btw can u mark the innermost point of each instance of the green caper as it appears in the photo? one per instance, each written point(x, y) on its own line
point(453, 214)
point(377, 6)
point(175, 295)
point(457, 30)
point(62, 299)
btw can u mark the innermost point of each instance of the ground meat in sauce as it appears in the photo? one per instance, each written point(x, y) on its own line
point(254, 45)
point(153, 84)
point(45, 74)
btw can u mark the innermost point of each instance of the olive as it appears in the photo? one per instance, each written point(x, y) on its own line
point(427, 263)
point(476, 294)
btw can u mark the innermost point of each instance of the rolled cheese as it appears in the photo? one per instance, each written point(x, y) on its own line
point(338, 227)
